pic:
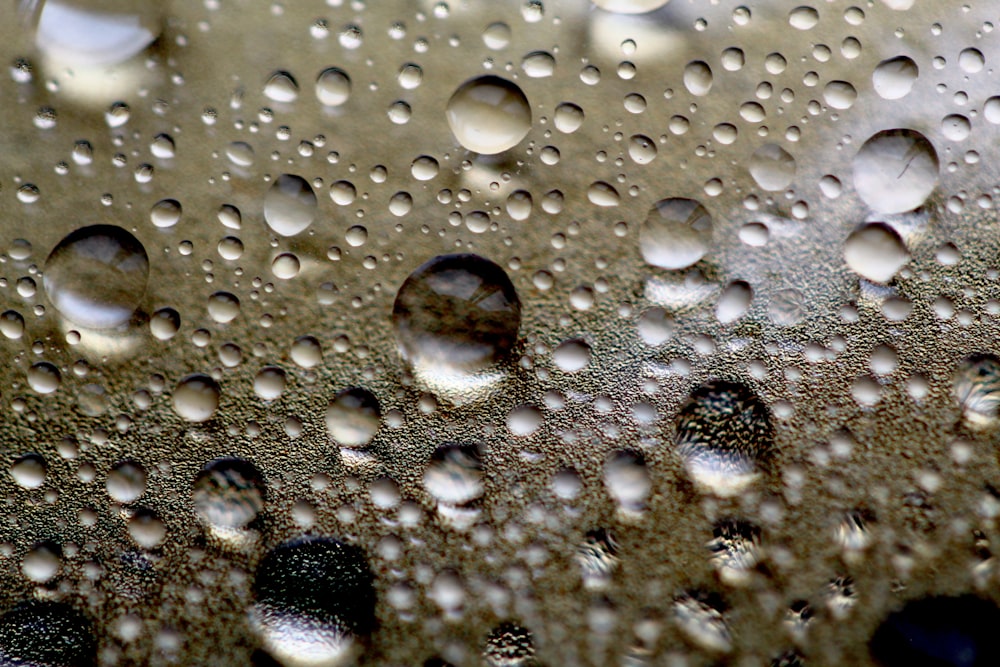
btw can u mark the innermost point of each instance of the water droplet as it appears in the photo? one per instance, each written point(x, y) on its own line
point(840, 94)
point(896, 170)
point(43, 377)
point(223, 307)
point(676, 233)
point(971, 60)
point(314, 595)
point(572, 356)
point(603, 194)
point(803, 18)
point(126, 482)
point(165, 213)
point(628, 481)
point(772, 167)
point(509, 645)
point(281, 87)
point(724, 436)
point(735, 550)
point(269, 383)
point(240, 153)
point(496, 36)
point(46, 634)
point(290, 205)
point(489, 115)
point(630, 6)
point(568, 118)
point(228, 495)
point(955, 127)
point(703, 624)
point(524, 420)
point(876, 252)
point(734, 302)
point(976, 387)
point(29, 471)
point(894, 78)
point(698, 77)
point(353, 417)
point(96, 276)
point(307, 352)
point(333, 87)
point(538, 64)
point(85, 34)
point(456, 315)
point(597, 556)
point(196, 397)
point(641, 149)
point(165, 323)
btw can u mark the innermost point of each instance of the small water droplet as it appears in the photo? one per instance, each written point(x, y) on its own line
point(290, 205)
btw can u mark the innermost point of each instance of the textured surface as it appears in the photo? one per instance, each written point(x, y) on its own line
point(544, 507)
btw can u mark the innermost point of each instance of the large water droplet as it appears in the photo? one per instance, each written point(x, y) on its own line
point(281, 87)
point(456, 315)
point(772, 167)
point(876, 252)
point(314, 596)
point(290, 205)
point(896, 170)
point(333, 87)
point(676, 233)
point(976, 387)
point(196, 397)
point(88, 34)
point(630, 6)
point(228, 494)
point(96, 276)
point(724, 436)
point(894, 78)
point(489, 114)
point(46, 634)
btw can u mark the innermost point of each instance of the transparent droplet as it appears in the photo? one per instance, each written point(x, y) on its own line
point(89, 34)
point(281, 87)
point(228, 495)
point(976, 387)
point(165, 213)
point(772, 167)
point(196, 397)
point(353, 417)
point(734, 302)
point(333, 87)
point(223, 307)
point(698, 77)
point(290, 205)
point(568, 118)
point(126, 482)
point(703, 624)
point(675, 234)
point(641, 149)
point(896, 170)
point(313, 597)
point(724, 436)
point(456, 315)
point(489, 115)
point(269, 383)
point(894, 78)
point(454, 475)
point(572, 356)
point(29, 471)
point(96, 276)
point(875, 251)
point(43, 377)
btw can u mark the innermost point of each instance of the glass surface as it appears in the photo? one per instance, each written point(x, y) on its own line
point(499, 333)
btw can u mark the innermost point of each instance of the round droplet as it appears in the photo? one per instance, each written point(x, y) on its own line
point(876, 252)
point(43, 377)
point(538, 64)
point(735, 550)
point(87, 34)
point(29, 471)
point(572, 356)
point(971, 60)
point(568, 118)
point(676, 234)
point(896, 170)
point(228, 494)
point(223, 307)
point(524, 420)
point(196, 397)
point(456, 314)
point(42, 563)
point(454, 475)
point(285, 266)
point(489, 115)
point(976, 387)
point(641, 149)
point(46, 634)
point(509, 645)
point(840, 94)
point(281, 87)
point(956, 127)
point(333, 87)
point(343, 192)
point(803, 18)
point(165, 213)
point(240, 153)
point(126, 482)
point(307, 352)
point(734, 302)
point(698, 77)
point(353, 417)
point(630, 6)
point(724, 436)
point(96, 276)
point(894, 78)
point(603, 194)
point(269, 383)
point(772, 167)
point(496, 36)
point(627, 480)
point(290, 205)
point(165, 323)
point(314, 596)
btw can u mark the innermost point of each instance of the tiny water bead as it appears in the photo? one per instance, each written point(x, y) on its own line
point(976, 387)
point(353, 417)
point(290, 205)
point(96, 276)
point(47, 634)
point(456, 315)
point(675, 234)
point(724, 437)
point(875, 251)
point(896, 170)
point(314, 600)
point(228, 495)
point(489, 114)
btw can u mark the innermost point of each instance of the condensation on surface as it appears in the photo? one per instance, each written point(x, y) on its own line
point(625, 332)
